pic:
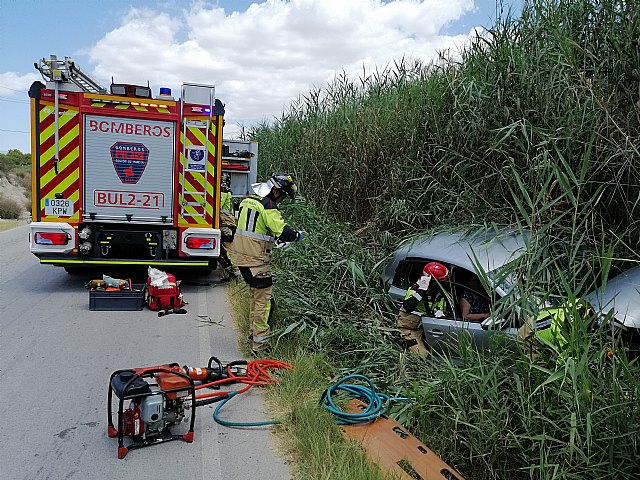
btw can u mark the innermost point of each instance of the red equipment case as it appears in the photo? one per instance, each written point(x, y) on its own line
point(164, 297)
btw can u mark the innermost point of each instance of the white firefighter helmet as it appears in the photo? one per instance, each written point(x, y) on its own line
point(281, 181)
point(261, 189)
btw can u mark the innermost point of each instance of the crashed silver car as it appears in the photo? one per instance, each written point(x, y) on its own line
point(619, 300)
point(463, 255)
point(490, 252)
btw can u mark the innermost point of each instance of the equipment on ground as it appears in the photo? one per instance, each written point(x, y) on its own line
point(363, 419)
point(166, 295)
point(160, 396)
point(154, 405)
point(179, 311)
point(389, 445)
point(123, 178)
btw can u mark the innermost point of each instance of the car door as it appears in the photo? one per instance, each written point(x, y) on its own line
point(443, 335)
point(446, 334)
point(437, 334)
point(473, 332)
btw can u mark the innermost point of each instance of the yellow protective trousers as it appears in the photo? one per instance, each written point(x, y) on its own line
point(410, 327)
point(261, 286)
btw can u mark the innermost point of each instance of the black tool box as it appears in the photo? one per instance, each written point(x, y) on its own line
point(117, 301)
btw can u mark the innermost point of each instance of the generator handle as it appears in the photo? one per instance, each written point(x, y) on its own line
point(218, 363)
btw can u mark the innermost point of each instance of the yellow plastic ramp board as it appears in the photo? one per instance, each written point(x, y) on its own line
point(393, 449)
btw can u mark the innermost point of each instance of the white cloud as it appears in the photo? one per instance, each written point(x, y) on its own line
point(264, 57)
point(15, 85)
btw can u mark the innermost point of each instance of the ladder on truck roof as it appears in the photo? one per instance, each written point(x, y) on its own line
point(61, 72)
point(67, 71)
point(196, 156)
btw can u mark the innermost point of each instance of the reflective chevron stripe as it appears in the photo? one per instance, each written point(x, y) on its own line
point(65, 183)
point(195, 181)
point(129, 106)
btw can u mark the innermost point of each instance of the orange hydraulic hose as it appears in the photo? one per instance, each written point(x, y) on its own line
point(256, 373)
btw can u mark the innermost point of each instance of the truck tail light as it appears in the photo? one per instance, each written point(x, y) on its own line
point(50, 238)
point(201, 242)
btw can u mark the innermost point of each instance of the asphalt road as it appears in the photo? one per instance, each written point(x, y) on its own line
point(56, 357)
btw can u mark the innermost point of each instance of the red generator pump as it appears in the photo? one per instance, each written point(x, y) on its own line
point(158, 397)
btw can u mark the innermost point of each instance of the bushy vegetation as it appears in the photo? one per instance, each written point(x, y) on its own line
point(415, 146)
point(10, 208)
point(15, 169)
point(14, 159)
point(492, 416)
point(535, 127)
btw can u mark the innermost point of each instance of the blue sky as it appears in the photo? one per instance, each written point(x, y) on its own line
point(260, 55)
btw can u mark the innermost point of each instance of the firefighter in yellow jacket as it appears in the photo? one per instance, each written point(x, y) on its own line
point(421, 300)
point(260, 223)
point(227, 226)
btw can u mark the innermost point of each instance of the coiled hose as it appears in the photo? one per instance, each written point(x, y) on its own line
point(377, 403)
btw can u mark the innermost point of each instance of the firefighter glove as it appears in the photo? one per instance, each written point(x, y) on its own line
point(423, 282)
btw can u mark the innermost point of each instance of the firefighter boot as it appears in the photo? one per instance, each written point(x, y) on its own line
point(227, 266)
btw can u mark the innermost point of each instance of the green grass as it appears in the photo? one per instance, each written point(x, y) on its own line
point(534, 128)
point(308, 435)
point(495, 416)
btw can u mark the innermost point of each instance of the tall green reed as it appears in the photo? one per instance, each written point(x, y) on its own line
point(535, 127)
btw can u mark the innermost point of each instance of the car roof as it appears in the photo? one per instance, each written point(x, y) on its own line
point(622, 293)
point(491, 249)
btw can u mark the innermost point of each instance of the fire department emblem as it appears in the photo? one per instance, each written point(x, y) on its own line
point(129, 160)
point(196, 155)
point(196, 160)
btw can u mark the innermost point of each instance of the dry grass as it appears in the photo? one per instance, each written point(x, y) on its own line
point(9, 224)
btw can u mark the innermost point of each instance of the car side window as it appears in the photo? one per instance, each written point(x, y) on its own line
point(472, 301)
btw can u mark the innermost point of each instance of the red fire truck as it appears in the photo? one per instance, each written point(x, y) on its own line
point(120, 177)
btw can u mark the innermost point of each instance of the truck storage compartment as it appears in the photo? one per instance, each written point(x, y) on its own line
point(116, 243)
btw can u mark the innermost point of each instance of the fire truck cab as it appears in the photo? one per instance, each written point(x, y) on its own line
point(121, 178)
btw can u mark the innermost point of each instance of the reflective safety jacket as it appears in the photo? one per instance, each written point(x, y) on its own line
point(225, 202)
point(415, 301)
point(554, 324)
point(227, 217)
point(259, 224)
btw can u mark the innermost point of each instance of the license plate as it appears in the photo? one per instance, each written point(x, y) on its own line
point(111, 198)
point(58, 207)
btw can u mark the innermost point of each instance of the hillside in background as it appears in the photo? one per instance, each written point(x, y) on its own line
point(15, 184)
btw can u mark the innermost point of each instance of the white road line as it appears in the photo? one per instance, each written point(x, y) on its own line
point(211, 465)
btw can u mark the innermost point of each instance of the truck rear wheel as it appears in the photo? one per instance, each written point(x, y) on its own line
point(72, 270)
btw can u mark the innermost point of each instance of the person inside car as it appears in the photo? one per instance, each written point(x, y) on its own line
point(474, 305)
